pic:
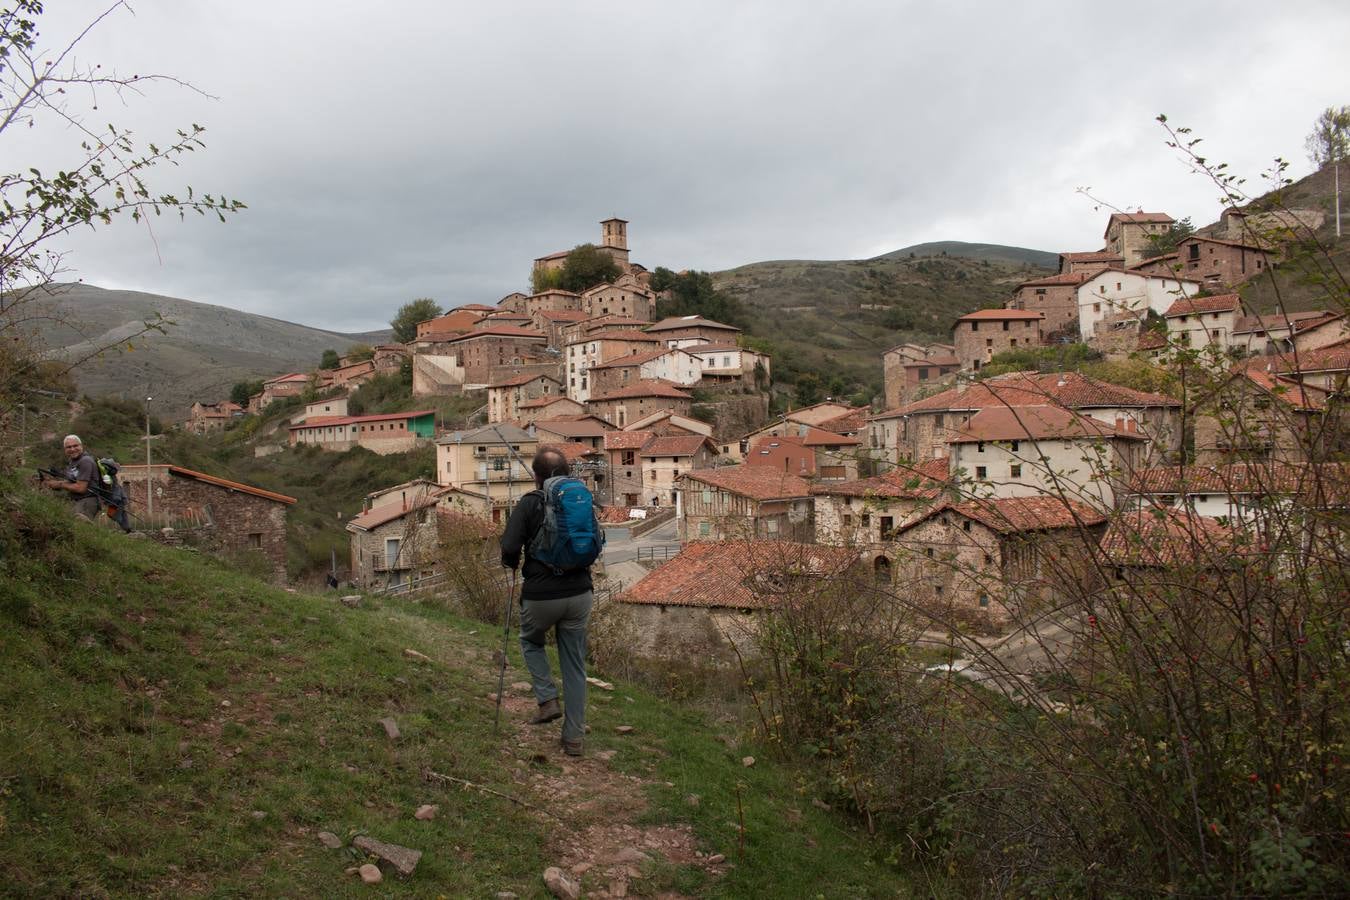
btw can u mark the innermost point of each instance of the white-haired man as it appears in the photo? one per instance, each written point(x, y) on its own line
point(81, 475)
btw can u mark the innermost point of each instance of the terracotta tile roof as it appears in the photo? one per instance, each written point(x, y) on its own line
point(850, 422)
point(1137, 218)
point(518, 380)
point(618, 334)
point(1158, 538)
point(1289, 391)
point(676, 445)
point(389, 512)
point(1153, 260)
point(326, 421)
point(1235, 479)
point(477, 307)
point(1331, 358)
point(1035, 423)
point(715, 348)
point(1299, 321)
point(505, 315)
point(571, 450)
point(999, 315)
point(558, 291)
point(736, 574)
point(634, 359)
point(586, 426)
point(611, 321)
point(674, 323)
point(1151, 340)
point(646, 388)
point(497, 331)
point(219, 482)
point(820, 437)
point(290, 377)
point(1010, 515)
point(755, 482)
point(1091, 256)
point(1071, 390)
point(1191, 305)
point(626, 440)
point(925, 481)
point(1064, 278)
point(559, 254)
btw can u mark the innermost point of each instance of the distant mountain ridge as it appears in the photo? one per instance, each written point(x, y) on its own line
point(1043, 259)
point(207, 349)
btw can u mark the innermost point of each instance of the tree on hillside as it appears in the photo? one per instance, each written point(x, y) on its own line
point(586, 266)
point(692, 293)
point(360, 352)
point(106, 176)
point(1166, 242)
point(329, 360)
point(405, 321)
point(242, 390)
point(1329, 143)
point(1330, 137)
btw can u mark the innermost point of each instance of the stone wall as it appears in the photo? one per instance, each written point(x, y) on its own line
point(243, 523)
point(692, 632)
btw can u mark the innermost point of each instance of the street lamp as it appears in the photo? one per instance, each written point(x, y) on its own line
point(149, 493)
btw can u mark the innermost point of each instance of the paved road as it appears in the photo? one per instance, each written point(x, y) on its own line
point(620, 546)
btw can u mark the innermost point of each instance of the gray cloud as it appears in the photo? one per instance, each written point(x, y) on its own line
point(434, 149)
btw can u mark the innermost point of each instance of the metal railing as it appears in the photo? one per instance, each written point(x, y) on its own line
point(411, 586)
point(657, 553)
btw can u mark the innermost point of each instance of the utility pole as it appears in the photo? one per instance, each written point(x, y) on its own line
point(149, 491)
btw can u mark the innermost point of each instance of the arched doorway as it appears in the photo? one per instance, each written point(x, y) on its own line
point(881, 570)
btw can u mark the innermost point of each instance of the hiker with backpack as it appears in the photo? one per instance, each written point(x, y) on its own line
point(555, 529)
point(81, 478)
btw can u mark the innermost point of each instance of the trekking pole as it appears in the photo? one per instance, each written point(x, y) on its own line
point(506, 638)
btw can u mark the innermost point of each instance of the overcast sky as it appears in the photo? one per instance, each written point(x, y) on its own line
point(393, 150)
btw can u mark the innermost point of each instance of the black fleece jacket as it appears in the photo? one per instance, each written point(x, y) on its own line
point(541, 582)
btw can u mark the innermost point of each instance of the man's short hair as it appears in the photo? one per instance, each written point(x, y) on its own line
point(548, 463)
point(71, 437)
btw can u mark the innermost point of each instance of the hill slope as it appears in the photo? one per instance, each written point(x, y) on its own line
point(169, 727)
point(1042, 259)
point(205, 351)
point(836, 317)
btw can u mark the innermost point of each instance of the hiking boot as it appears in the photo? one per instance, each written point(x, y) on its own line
point(549, 711)
point(571, 748)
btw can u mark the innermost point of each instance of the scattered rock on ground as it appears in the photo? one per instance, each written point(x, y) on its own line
point(391, 728)
point(522, 687)
point(820, 804)
point(605, 755)
point(258, 815)
point(582, 868)
point(226, 704)
point(693, 799)
point(352, 600)
point(426, 812)
point(618, 888)
point(503, 895)
point(330, 840)
point(623, 856)
point(413, 654)
point(747, 761)
point(371, 874)
point(492, 697)
point(624, 729)
point(560, 884)
point(716, 859)
point(401, 858)
point(602, 685)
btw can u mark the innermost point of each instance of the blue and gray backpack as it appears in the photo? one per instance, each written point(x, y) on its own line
point(571, 537)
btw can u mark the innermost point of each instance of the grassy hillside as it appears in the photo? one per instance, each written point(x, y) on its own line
point(1042, 259)
point(171, 728)
point(205, 351)
point(836, 317)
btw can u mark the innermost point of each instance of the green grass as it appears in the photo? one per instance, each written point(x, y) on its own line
point(124, 773)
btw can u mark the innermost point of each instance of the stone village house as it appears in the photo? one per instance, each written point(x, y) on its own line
point(504, 399)
point(982, 334)
point(743, 503)
point(639, 400)
point(226, 518)
point(983, 560)
point(709, 598)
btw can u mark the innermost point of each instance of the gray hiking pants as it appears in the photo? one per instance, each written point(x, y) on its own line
point(570, 615)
